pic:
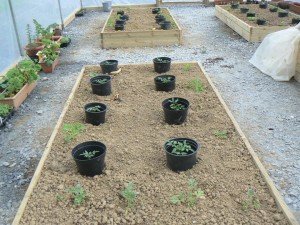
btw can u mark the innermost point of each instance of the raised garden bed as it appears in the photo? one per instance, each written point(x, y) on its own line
point(249, 29)
point(140, 30)
point(134, 134)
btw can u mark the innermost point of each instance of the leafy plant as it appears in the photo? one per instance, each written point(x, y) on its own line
point(251, 200)
point(71, 130)
point(129, 194)
point(100, 81)
point(191, 196)
point(96, 108)
point(25, 72)
point(49, 53)
point(175, 105)
point(89, 154)
point(162, 60)
point(41, 32)
point(65, 40)
point(78, 194)
point(30, 42)
point(187, 67)
point(4, 110)
point(252, 18)
point(221, 134)
point(180, 147)
point(93, 74)
point(164, 80)
point(196, 85)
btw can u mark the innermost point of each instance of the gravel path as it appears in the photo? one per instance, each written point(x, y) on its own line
point(267, 111)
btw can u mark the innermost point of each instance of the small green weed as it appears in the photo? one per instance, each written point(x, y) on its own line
point(223, 134)
point(93, 74)
point(251, 201)
point(129, 194)
point(187, 67)
point(78, 194)
point(196, 85)
point(71, 130)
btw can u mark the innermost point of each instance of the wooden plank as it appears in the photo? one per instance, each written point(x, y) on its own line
point(275, 193)
point(71, 17)
point(40, 166)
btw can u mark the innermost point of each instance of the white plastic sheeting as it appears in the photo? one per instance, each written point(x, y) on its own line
point(117, 2)
point(277, 54)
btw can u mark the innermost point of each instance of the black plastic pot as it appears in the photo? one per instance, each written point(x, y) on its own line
point(120, 22)
point(162, 64)
point(124, 17)
point(109, 66)
point(64, 45)
point(244, 10)
point(263, 5)
point(160, 19)
point(250, 14)
point(90, 167)
point(273, 9)
point(165, 86)
point(119, 27)
point(234, 5)
point(295, 20)
point(101, 89)
point(95, 118)
point(120, 12)
point(261, 21)
point(3, 120)
point(155, 10)
point(175, 116)
point(80, 13)
point(283, 14)
point(165, 25)
point(181, 162)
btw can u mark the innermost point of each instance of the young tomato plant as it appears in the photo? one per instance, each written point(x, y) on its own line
point(180, 147)
point(175, 105)
point(89, 154)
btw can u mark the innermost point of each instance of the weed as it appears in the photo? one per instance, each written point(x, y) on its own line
point(175, 105)
point(191, 196)
point(196, 85)
point(60, 197)
point(129, 194)
point(187, 67)
point(78, 194)
point(180, 147)
point(223, 134)
point(93, 74)
point(71, 130)
point(4, 110)
point(251, 201)
point(89, 154)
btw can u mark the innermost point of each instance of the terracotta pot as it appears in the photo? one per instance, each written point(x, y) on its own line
point(31, 52)
point(49, 69)
point(57, 32)
point(295, 7)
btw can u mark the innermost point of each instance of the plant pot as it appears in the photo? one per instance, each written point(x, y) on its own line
point(295, 20)
point(162, 64)
point(92, 117)
point(119, 27)
point(3, 120)
point(90, 167)
point(274, 9)
point(64, 45)
point(172, 116)
point(261, 21)
point(250, 14)
point(32, 51)
point(165, 25)
point(102, 89)
point(57, 32)
point(80, 13)
point(283, 5)
point(160, 85)
point(283, 14)
point(120, 12)
point(124, 17)
point(181, 162)
point(120, 22)
point(234, 6)
point(263, 5)
point(109, 66)
point(244, 10)
point(155, 10)
point(295, 7)
point(106, 6)
point(160, 19)
point(49, 69)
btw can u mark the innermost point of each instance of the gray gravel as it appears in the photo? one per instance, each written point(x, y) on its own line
point(267, 111)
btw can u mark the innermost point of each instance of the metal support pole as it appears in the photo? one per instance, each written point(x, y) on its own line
point(61, 15)
point(81, 6)
point(15, 28)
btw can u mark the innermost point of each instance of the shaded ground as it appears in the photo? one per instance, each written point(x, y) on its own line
point(267, 111)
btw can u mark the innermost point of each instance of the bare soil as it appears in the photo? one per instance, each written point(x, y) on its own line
point(134, 134)
point(140, 19)
point(271, 17)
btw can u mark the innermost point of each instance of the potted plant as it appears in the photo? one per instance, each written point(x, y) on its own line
point(273, 9)
point(165, 25)
point(283, 13)
point(124, 17)
point(155, 10)
point(181, 153)
point(49, 56)
point(65, 41)
point(90, 157)
point(44, 33)
point(119, 27)
point(295, 20)
point(120, 12)
point(175, 110)
point(109, 66)
point(244, 10)
point(101, 85)
point(95, 113)
point(80, 13)
point(261, 21)
point(18, 83)
point(160, 19)
point(6, 112)
point(32, 48)
point(56, 29)
point(263, 4)
point(162, 64)
point(234, 5)
point(250, 14)
point(165, 83)
point(120, 22)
